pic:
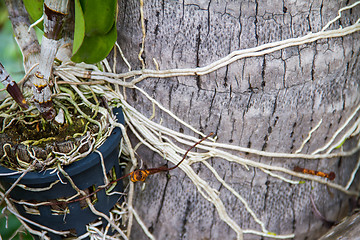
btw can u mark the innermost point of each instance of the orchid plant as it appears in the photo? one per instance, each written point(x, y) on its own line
point(94, 28)
point(90, 27)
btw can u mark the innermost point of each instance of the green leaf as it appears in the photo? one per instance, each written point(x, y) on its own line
point(35, 10)
point(79, 31)
point(99, 16)
point(95, 48)
point(340, 145)
point(13, 225)
point(4, 16)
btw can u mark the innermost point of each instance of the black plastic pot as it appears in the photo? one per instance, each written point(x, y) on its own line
point(86, 173)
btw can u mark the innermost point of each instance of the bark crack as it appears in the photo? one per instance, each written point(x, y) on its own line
point(240, 27)
point(211, 103)
point(208, 19)
point(256, 21)
point(197, 50)
point(284, 66)
point(313, 63)
point(184, 223)
point(267, 183)
point(218, 124)
point(308, 19)
point(162, 201)
point(248, 104)
point(263, 73)
point(321, 12)
point(275, 104)
point(190, 105)
point(170, 94)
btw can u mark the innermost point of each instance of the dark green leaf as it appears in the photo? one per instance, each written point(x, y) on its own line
point(99, 16)
point(95, 48)
point(12, 226)
point(35, 10)
point(79, 31)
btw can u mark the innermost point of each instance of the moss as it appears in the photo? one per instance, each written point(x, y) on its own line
point(39, 131)
point(41, 138)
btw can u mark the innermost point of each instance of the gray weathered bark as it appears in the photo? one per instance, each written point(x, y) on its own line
point(267, 103)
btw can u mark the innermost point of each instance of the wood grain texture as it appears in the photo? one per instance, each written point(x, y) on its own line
point(267, 103)
point(348, 228)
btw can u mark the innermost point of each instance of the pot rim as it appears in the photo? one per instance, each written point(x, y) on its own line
point(74, 168)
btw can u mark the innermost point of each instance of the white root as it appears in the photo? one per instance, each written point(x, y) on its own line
point(149, 132)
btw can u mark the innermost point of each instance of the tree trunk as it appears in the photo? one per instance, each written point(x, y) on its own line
point(269, 103)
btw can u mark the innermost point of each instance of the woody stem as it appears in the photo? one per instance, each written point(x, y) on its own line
point(54, 15)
